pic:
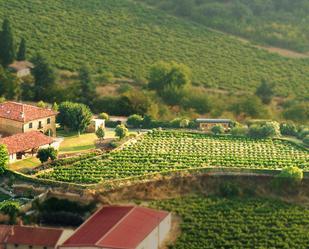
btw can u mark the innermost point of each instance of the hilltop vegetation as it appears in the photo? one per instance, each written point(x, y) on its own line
point(282, 23)
point(126, 38)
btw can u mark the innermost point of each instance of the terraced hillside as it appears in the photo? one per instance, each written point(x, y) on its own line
point(163, 151)
point(209, 223)
point(125, 37)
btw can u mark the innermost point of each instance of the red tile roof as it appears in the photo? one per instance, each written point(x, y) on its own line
point(25, 141)
point(35, 236)
point(116, 227)
point(23, 112)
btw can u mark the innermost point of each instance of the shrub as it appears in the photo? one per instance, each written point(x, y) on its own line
point(239, 131)
point(135, 121)
point(100, 133)
point(121, 131)
point(264, 130)
point(47, 153)
point(289, 175)
point(41, 104)
point(229, 190)
point(288, 129)
point(10, 208)
point(306, 140)
point(4, 158)
point(104, 116)
point(217, 129)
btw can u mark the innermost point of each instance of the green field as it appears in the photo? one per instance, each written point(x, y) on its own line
point(211, 223)
point(125, 38)
point(163, 151)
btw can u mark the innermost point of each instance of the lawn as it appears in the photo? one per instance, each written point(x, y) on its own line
point(30, 162)
point(74, 144)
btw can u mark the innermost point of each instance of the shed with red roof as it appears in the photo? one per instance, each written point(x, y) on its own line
point(122, 227)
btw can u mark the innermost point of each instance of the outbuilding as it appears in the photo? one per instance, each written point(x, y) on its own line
point(124, 227)
point(21, 68)
point(205, 124)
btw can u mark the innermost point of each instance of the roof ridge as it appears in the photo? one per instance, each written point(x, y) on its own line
point(113, 228)
point(39, 227)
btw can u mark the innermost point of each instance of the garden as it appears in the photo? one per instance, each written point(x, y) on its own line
point(165, 151)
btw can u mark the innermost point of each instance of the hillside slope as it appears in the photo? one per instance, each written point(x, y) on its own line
point(282, 23)
point(126, 38)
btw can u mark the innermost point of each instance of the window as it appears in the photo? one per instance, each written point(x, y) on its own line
point(40, 125)
point(16, 245)
point(30, 247)
point(45, 247)
point(48, 121)
point(30, 126)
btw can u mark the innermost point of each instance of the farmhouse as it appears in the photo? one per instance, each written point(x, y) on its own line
point(26, 144)
point(206, 124)
point(20, 118)
point(21, 68)
point(124, 227)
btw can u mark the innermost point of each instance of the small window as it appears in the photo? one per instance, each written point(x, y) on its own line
point(16, 245)
point(48, 121)
point(45, 247)
point(30, 247)
point(40, 125)
point(30, 126)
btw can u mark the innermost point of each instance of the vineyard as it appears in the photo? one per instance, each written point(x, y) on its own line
point(164, 151)
point(209, 223)
point(126, 38)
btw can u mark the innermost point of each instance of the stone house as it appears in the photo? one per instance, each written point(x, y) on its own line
point(20, 118)
point(205, 124)
point(21, 68)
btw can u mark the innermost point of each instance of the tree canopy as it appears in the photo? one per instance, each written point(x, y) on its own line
point(4, 158)
point(7, 45)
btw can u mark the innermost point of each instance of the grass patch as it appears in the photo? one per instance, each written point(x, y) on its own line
point(27, 163)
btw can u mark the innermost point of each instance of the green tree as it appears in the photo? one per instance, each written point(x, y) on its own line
point(249, 106)
point(217, 129)
point(135, 121)
point(100, 133)
point(4, 158)
point(41, 104)
point(121, 131)
point(104, 116)
point(87, 87)
point(169, 80)
point(7, 46)
point(288, 129)
point(265, 92)
point(55, 107)
point(75, 116)
point(10, 208)
point(291, 175)
point(46, 154)
point(21, 54)
point(44, 79)
point(264, 130)
point(298, 112)
point(9, 85)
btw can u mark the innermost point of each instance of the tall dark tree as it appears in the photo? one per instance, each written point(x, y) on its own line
point(7, 47)
point(21, 54)
point(87, 87)
point(265, 92)
point(9, 85)
point(44, 79)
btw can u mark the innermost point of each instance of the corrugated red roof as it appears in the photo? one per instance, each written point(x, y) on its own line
point(23, 112)
point(35, 236)
point(117, 227)
point(25, 141)
point(97, 225)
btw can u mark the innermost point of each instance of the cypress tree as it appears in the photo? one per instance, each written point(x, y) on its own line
point(21, 54)
point(7, 47)
point(44, 79)
point(87, 87)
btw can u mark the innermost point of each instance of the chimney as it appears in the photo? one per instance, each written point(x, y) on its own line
point(22, 114)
